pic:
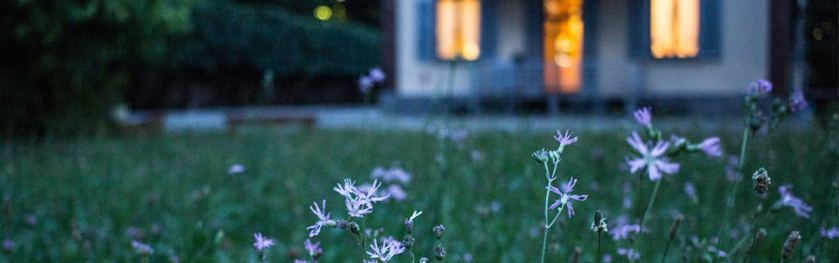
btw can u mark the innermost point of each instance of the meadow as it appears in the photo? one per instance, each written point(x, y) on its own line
point(201, 197)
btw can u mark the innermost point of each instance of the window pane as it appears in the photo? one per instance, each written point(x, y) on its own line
point(674, 28)
point(458, 29)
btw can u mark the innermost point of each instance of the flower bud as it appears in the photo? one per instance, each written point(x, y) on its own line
point(438, 231)
point(761, 181)
point(675, 226)
point(541, 156)
point(409, 225)
point(758, 239)
point(408, 241)
point(342, 224)
point(353, 227)
point(599, 224)
point(790, 244)
point(440, 252)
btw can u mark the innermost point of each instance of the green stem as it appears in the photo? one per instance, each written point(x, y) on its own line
point(547, 227)
point(644, 219)
point(667, 248)
point(599, 256)
point(731, 196)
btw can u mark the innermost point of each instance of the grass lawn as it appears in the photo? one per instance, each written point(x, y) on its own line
point(85, 200)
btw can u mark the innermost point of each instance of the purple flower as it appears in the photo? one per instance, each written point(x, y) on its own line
point(261, 242)
point(607, 258)
point(629, 253)
point(651, 159)
point(711, 146)
point(377, 75)
point(720, 253)
point(323, 219)
point(732, 172)
point(622, 231)
point(830, 233)
point(797, 101)
point(365, 84)
point(356, 207)
point(370, 196)
point(141, 248)
point(476, 156)
point(467, 257)
point(313, 249)
point(643, 117)
point(759, 87)
point(347, 189)
point(787, 199)
point(409, 223)
point(386, 251)
point(565, 196)
point(31, 220)
point(392, 174)
point(565, 139)
point(235, 169)
point(300, 261)
point(396, 192)
point(8, 245)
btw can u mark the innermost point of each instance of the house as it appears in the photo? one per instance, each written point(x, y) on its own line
point(582, 52)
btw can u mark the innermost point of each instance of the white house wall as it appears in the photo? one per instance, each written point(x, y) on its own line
point(417, 78)
point(511, 29)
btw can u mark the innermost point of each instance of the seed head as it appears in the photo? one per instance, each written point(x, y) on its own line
point(440, 252)
point(342, 224)
point(408, 241)
point(675, 226)
point(790, 244)
point(438, 230)
point(761, 181)
point(353, 227)
point(758, 238)
point(599, 224)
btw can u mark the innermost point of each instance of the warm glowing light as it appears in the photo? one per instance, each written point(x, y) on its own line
point(323, 12)
point(563, 45)
point(457, 29)
point(674, 28)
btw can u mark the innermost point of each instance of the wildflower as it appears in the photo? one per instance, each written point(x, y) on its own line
point(787, 199)
point(623, 228)
point(565, 139)
point(385, 252)
point(356, 207)
point(607, 258)
point(796, 101)
point(303, 261)
point(711, 146)
point(565, 196)
point(347, 189)
point(396, 192)
point(651, 159)
point(8, 245)
point(719, 252)
point(365, 84)
point(761, 181)
point(370, 196)
point(438, 231)
point(323, 219)
point(141, 248)
point(376, 75)
point(31, 220)
point(314, 250)
point(476, 156)
point(732, 170)
point(467, 257)
point(261, 242)
point(759, 87)
point(457, 137)
point(392, 174)
point(409, 223)
point(790, 244)
point(423, 260)
point(235, 169)
point(643, 117)
point(830, 233)
point(629, 253)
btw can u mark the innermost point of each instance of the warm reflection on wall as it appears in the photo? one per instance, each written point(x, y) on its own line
point(563, 45)
point(674, 28)
point(458, 29)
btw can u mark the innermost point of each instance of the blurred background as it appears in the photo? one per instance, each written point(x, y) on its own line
point(80, 67)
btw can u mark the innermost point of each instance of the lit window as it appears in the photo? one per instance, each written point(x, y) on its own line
point(674, 28)
point(458, 29)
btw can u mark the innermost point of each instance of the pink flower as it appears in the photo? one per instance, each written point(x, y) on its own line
point(787, 199)
point(376, 75)
point(313, 249)
point(643, 117)
point(565, 139)
point(797, 101)
point(387, 250)
point(759, 87)
point(711, 146)
point(565, 196)
point(323, 219)
point(651, 159)
point(829, 233)
point(261, 242)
